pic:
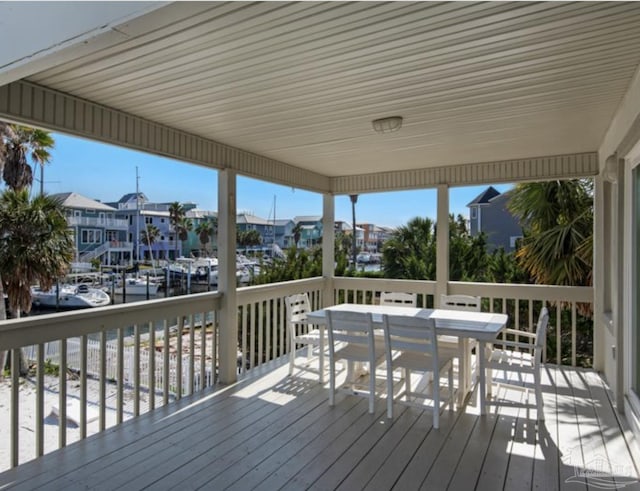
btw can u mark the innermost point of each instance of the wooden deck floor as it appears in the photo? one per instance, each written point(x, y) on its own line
point(275, 432)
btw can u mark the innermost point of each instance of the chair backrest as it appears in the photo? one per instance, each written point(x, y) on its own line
point(541, 328)
point(460, 302)
point(297, 307)
point(410, 334)
point(350, 327)
point(399, 299)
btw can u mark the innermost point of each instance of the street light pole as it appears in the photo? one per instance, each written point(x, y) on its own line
point(354, 200)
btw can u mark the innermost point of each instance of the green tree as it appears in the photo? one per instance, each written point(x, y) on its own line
point(557, 218)
point(296, 232)
point(17, 145)
point(180, 224)
point(205, 231)
point(148, 237)
point(36, 245)
point(410, 252)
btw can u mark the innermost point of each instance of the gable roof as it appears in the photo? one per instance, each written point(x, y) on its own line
point(485, 196)
point(75, 200)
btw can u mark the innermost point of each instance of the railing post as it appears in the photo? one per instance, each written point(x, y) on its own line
point(328, 240)
point(227, 275)
point(442, 243)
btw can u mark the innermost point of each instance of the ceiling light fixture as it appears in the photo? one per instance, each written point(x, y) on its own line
point(387, 125)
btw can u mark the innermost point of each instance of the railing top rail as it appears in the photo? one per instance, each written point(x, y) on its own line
point(523, 291)
point(250, 294)
point(16, 333)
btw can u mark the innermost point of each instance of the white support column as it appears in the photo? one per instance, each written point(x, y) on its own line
point(228, 319)
point(442, 243)
point(599, 257)
point(328, 247)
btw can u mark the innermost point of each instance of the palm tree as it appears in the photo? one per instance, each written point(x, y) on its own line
point(18, 144)
point(557, 218)
point(410, 252)
point(149, 237)
point(297, 232)
point(204, 231)
point(176, 218)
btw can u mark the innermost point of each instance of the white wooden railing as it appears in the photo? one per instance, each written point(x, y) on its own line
point(120, 349)
point(521, 302)
point(110, 346)
point(262, 332)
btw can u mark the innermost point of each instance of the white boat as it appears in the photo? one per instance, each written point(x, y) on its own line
point(79, 296)
point(132, 286)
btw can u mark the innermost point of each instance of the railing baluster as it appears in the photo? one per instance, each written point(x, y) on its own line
point(151, 353)
point(252, 335)
point(270, 344)
point(179, 358)
point(165, 361)
point(136, 370)
point(260, 325)
point(203, 350)
point(192, 333)
point(214, 347)
point(245, 334)
point(83, 387)
point(40, 401)
point(120, 376)
point(103, 379)
point(15, 405)
point(62, 395)
point(573, 333)
point(281, 324)
point(558, 334)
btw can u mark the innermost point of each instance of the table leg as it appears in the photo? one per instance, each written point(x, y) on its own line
point(463, 369)
point(321, 354)
point(482, 387)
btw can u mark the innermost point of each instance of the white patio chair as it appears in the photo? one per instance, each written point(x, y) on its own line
point(398, 299)
point(297, 307)
point(351, 339)
point(450, 344)
point(417, 344)
point(510, 358)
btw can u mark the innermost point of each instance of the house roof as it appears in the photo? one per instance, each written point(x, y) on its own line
point(246, 218)
point(131, 197)
point(310, 218)
point(484, 197)
point(75, 200)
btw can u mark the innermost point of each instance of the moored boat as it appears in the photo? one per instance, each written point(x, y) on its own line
point(78, 296)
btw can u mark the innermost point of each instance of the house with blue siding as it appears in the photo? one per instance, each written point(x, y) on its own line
point(97, 230)
point(489, 214)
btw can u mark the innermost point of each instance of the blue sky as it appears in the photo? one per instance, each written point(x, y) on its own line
point(106, 172)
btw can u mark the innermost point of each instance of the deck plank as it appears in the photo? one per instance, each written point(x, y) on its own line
point(272, 431)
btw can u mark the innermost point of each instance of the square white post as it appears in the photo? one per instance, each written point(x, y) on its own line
point(328, 241)
point(228, 317)
point(442, 243)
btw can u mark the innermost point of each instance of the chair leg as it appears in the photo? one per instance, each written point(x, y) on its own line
point(309, 351)
point(389, 391)
point(407, 383)
point(372, 388)
point(332, 382)
point(436, 400)
point(489, 371)
point(539, 401)
point(292, 357)
point(451, 392)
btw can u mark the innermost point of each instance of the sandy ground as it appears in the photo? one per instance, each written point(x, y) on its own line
point(27, 411)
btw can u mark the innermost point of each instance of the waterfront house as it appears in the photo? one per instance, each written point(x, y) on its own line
point(340, 98)
point(489, 214)
point(310, 230)
point(98, 233)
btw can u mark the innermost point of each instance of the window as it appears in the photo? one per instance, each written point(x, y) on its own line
point(162, 220)
point(148, 220)
point(513, 240)
point(474, 212)
point(91, 236)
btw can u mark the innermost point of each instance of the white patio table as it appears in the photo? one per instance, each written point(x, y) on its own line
point(482, 326)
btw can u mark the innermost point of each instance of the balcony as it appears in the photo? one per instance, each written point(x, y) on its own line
point(269, 430)
point(106, 223)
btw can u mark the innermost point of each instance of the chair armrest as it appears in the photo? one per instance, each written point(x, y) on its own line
point(517, 332)
point(513, 344)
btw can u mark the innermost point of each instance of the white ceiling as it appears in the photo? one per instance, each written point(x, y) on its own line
point(301, 82)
